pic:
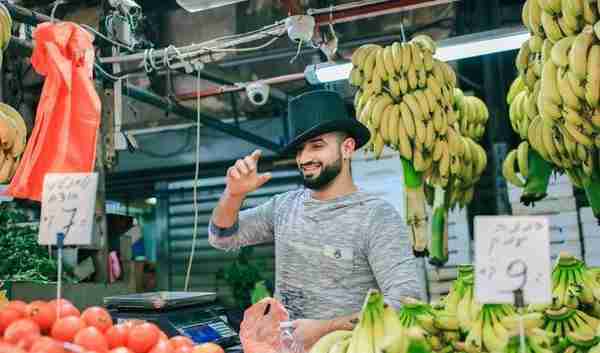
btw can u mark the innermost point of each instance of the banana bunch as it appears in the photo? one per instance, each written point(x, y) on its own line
point(487, 334)
point(405, 98)
point(472, 115)
point(333, 342)
point(571, 328)
point(555, 100)
point(13, 134)
point(536, 341)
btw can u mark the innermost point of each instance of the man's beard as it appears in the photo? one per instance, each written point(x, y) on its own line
point(328, 173)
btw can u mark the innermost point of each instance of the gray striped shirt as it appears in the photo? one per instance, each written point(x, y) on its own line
point(328, 254)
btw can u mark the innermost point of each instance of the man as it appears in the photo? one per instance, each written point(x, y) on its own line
point(333, 242)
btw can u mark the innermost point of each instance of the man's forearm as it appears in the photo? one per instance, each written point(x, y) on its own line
point(226, 213)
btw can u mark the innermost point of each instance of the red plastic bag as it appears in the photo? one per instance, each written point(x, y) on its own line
point(259, 331)
point(68, 115)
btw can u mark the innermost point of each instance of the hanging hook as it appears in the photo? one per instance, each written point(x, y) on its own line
point(56, 3)
point(402, 28)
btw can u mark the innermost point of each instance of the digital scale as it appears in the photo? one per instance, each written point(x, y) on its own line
point(191, 314)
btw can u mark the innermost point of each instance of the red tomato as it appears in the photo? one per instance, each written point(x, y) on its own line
point(180, 341)
point(9, 348)
point(27, 342)
point(66, 308)
point(46, 345)
point(121, 350)
point(21, 329)
point(184, 349)
point(42, 314)
point(116, 336)
point(91, 338)
point(143, 337)
point(66, 328)
point(163, 346)
point(7, 317)
point(97, 317)
point(17, 305)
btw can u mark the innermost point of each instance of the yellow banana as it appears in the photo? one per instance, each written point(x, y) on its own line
point(417, 57)
point(516, 87)
point(431, 100)
point(388, 61)
point(546, 51)
point(325, 343)
point(553, 7)
point(577, 135)
point(404, 146)
point(549, 88)
point(569, 98)
point(523, 158)
point(393, 124)
point(407, 120)
point(418, 161)
point(508, 170)
point(380, 69)
point(382, 102)
point(438, 148)
point(394, 85)
point(369, 64)
point(420, 133)
point(434, 86)
point(356, 77)
point(560, 51)
point(397, 57)
point(422, 78)
point(438, 72)
point(577, 85)
point(572, 8)
point(535, 18)
point(525, 15)
point(429, 136)
point(569, 26)
point(385, 122)
point(406, 57)
point(414, 106)
point(378, 145)
point(551, 27)
point(438, 120)
point(361, 53)
point(592, 86)
point(412, 76)
point(423, 103)
point(522, 60)
point(536, 43)
point(590, 13)
point(578, 56)
point(450, 76)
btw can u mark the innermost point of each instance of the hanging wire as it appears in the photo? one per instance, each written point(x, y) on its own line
point(195, 186)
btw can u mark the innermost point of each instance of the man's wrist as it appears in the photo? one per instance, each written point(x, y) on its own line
point(233, 197)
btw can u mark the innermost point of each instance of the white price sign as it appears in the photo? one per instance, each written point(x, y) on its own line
point(512, 253)
point(68, 205)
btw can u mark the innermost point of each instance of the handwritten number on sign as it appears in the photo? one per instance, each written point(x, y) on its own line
point(517, 269)
point(73, 212)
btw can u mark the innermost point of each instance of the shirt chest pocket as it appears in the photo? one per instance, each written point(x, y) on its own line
point(337, 265)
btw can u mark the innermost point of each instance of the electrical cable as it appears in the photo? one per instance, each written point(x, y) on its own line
point(195, 185)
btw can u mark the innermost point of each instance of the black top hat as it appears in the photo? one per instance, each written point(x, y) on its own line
point(318, 112)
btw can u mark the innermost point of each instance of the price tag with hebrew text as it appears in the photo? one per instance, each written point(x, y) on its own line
point(512, 254)
point(68, 205)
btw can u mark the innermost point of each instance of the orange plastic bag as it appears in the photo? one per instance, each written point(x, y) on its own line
point(68, 115)
point(259, 331)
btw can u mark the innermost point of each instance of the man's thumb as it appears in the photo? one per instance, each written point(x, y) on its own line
point(263, 178)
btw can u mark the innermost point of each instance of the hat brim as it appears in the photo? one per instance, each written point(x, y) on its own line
point(355, 129)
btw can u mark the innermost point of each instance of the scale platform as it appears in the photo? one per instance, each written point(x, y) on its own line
point(192, 314)
point(158, 300)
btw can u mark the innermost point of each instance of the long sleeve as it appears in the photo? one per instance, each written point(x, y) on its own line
point(254, 226)
point(390, 256)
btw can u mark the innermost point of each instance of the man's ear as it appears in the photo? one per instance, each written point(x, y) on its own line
point(348, 147)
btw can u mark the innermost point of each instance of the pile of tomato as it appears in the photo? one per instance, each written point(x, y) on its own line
point(60, 327)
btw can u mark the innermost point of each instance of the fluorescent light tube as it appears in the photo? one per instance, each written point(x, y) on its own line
point(451, 49)
point(202, 5)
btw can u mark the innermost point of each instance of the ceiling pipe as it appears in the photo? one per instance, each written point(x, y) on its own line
point(325, 16)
